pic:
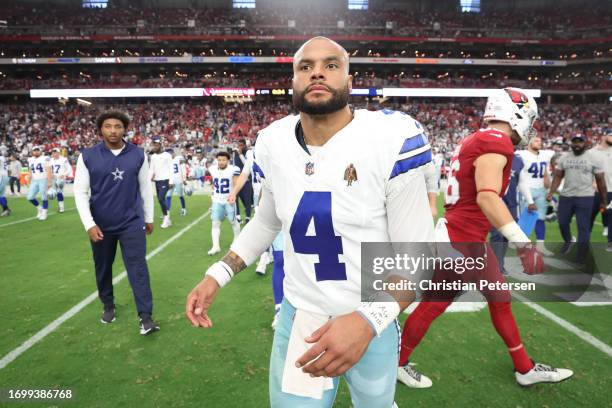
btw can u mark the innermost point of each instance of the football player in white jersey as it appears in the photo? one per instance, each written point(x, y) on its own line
point(332, 179)
point(40, 180)
point(224, 176)
point(179, 180)
point(536, 172)
point(60, 167)
point(4, 179)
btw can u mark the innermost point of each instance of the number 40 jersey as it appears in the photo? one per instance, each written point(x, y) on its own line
point(364, 185)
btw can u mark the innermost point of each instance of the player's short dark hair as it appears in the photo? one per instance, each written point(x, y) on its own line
point(243, 141)
point(113, 114)
point(224, 154)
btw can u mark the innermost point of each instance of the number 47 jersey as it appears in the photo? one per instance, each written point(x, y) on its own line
point(333, 198)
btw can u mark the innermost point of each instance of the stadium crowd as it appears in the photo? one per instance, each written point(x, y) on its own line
point(52, 20)
point(416, 79)
point(208, 124)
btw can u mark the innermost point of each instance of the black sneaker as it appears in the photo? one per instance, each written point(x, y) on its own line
point(108, 315)
point(147, 325)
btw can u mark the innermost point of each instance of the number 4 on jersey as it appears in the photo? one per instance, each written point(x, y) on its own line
point(316, 206)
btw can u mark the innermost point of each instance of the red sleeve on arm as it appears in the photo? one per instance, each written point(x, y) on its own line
point(493, 141)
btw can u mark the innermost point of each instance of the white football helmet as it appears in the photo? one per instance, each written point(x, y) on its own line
point(51, 194)
point(516, 108)
point(188, 190)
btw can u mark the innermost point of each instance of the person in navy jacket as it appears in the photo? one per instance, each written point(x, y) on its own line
point(119, 209)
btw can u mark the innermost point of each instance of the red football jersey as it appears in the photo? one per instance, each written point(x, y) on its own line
point(466, 221)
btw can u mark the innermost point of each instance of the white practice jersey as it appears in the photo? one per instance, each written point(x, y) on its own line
point(160, 167)
point(38, 166)
point(223, 181)
point(3, 166)
point(535, 166)
point(60, 167)
point(179, 171)
point(364, 185)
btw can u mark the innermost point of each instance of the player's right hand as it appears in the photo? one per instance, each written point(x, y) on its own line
point(549, 197)
point(199, 301)
point(532, 208)
point(95, 234)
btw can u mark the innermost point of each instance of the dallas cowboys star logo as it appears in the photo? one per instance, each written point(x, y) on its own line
point(118, 174)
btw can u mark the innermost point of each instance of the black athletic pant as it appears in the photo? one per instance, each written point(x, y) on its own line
point(12, 182)
point(246, 196)
point(133, 250)
point(162, 187)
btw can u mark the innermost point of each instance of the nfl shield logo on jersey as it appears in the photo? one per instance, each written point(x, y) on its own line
point(309, 169)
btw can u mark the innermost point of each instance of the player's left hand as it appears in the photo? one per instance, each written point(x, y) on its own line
point(149, 228)
point(531, 258)
point(603, 207)
point(532, 207)
point(342, 341)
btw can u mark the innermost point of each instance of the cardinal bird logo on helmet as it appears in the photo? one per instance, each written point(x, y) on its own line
point(519, 98)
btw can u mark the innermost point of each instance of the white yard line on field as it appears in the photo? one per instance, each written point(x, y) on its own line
point(51, 327)
point(33, 218)
point(586, 336)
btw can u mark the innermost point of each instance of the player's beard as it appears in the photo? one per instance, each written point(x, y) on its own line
point(577, 150)
point(338, 101)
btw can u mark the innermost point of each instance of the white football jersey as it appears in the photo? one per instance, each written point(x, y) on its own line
point(535, 166)
point(179, 171)
point(60, 167)
point(222, 182)
point(38, 166)
point(332, 200)
point(3, 166)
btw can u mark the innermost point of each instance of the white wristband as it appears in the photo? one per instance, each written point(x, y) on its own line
point(514, 233)
point(221, 272)
point(379, 314)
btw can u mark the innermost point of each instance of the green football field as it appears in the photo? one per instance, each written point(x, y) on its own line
point(46, 270)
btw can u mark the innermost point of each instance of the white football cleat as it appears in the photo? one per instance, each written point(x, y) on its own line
point(542, 373)
point(412, 378)
point(61, 207)
point(43, 214)
point(183, 212)
point(166, 222)
point(214, 250)
point(38, 212)
point(605, 232)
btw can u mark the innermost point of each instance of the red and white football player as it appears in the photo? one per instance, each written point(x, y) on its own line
point(480, 173)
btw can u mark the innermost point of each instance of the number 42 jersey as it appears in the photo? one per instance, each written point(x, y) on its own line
point(364, 185)
point(222, 181)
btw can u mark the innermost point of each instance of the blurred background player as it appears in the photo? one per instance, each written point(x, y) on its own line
point(4, 180)
point(179, 180)
point(61, 168)
point(518, 182)
point(160, 172)
point(40, 179)
point(14, 172)
point(252, 173)
point(604, 151)
point(536, 173)
point(480, 172)
point(224, 176)
point(278, 275)
point(579, 169)
point(240, 157)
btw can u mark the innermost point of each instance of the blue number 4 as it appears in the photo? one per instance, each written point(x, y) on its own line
point(537, 169)
point(316, 206)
